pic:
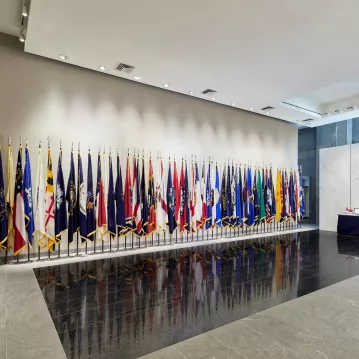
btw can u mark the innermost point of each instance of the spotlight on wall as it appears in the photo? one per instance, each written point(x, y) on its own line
point(103, 68)
point(63, 57)
point(166, 85)
point(213, 99)
point(22, 37)
point(24, 11)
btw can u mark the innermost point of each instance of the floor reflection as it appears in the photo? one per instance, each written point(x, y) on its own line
point(130, 306)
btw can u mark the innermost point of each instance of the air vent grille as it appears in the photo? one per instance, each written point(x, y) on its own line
point(209, 92)
point(267, 108)
point(308, 120)
point(125, 68)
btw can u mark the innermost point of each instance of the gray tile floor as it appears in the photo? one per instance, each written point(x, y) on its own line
point(321, 325)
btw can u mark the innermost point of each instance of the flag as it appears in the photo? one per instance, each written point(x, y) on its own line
point(301, 198)
point(136, 201)
point(192, 200)
point(40, 232)
point(71, 201)
point(255, 199)
point(101, 220)
point(240, 194)
point(286, 197)
point(10, 199)
point(171, 201)
point(144, 202)
point(203, 196)
point(128, 196)
point(152, 200)
point(208, 199)
point(291, 196)
point(81, 202)
point(216, 210)
point(224, 212)
point(182, 200)
point(29, 213)
point(197, 198)
point(250, 198)
point(3, 217)
point(245, 196)
point(268, 198)
point(228, 195)
point(161, 206)
point(111, 214)
point(177, 193)
point(120, 200)
point(90, 203)
point(19, 213)
point(49, 204)
point(239, 198)
point(60, 209)
point(283, 212)
point(262, 208)
point(187, 199)
point(234, 221)
point(273, 193)
point(279, 197)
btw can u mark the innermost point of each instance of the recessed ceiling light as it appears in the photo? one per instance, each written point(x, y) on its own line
point(166, 85)
point(63, 57)
point(103, 68)
point(137, 77)
point(251, 109)
point(267, 113)
point(233, 103)
point(213, 98)
point(191, 92)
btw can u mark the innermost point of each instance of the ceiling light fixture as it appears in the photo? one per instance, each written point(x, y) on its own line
point(103, 68)
point(63, 57)
point(213, 98)
point(137, 77)
point(24, 11)
point(166, 85)
point(233, 103)
point(191, 92)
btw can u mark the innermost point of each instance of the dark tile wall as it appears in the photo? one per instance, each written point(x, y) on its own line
point(310, 141)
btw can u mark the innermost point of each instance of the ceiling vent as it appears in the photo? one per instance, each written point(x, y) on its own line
point(268, 108)
point(350, 108)
point(308, 120)
point(124, 68)
point(209, 92)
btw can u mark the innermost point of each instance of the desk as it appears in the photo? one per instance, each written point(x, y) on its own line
point(348, 224)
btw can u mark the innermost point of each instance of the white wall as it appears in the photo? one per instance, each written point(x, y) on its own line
point(338, 183)
point(41, 97)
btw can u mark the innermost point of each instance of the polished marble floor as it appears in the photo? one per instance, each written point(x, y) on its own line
point(127, 307)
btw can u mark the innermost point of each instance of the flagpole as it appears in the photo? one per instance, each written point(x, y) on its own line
point(48, 250)
point(28, 239)
point(78, 165)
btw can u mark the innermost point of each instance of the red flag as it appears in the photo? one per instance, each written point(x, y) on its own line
point(128, 195)
point(177, 193)
point(19, 212)
point(182, 202)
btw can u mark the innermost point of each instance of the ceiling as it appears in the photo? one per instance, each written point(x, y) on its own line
point(299, 57)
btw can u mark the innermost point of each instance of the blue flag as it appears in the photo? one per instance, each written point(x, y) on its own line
point(186, 200)
point(119, 198)
point(171, 202)
point(224, 203)
point(71, 201)
point(29, 213)
point(81, 202)
point(245, 196)
point(90, 203)
point(284, 194)
point(111, 215)
point(60, 209)
point(209, 199)
point(301, 198)
point(239, 198)
point(291, 196)
point(217, 200)
point(3, 217)
point(255, 199)
point(250, 198)
point(273, 193)
point(228, 196)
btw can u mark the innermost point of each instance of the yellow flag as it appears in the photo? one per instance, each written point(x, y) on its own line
point(49, 205)
point(278, 197)
point(10, 197)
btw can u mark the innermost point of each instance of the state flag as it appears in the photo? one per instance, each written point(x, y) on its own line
point(101, 217)
point(50, 204)
point(136, 200)
point(171, 202)
point(60, 209)
point(28, 201)
point(3, 217)
point(120, 201)
point(111, 214)
point(208, 199)
point(151, 200)
point(144, 202)
point(128, 197)
point(81, 201)
point(10, 195)
point(90, 202)
point(71, 201)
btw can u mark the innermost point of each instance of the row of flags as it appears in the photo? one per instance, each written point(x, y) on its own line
point(189, 197)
